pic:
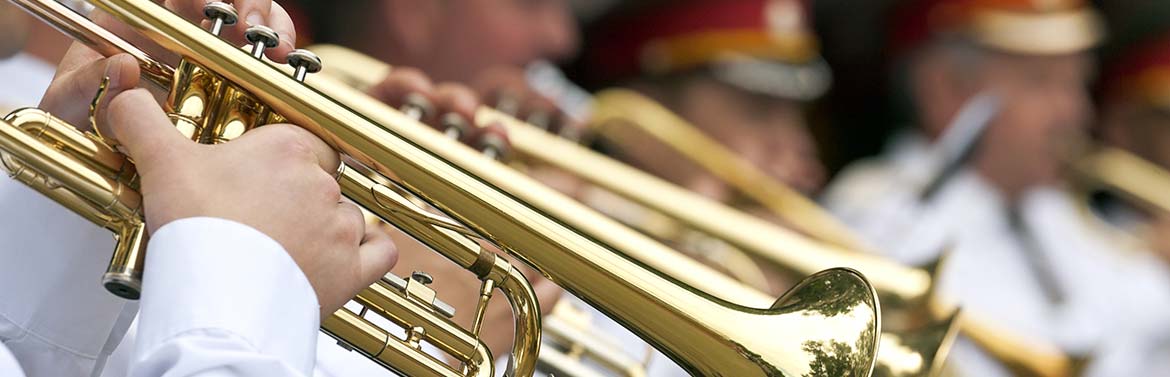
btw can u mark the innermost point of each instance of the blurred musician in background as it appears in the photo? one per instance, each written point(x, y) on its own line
point(1020, 253)
point(740, 71)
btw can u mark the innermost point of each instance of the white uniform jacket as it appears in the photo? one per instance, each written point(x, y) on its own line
point(1048, 273)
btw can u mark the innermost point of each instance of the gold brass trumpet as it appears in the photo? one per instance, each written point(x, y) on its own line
point(825, 326)
point(777, 245)
point(921, 353)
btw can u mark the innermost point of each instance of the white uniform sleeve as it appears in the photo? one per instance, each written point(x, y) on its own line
point(8, 365)
point(55, 317)
point(222, 299)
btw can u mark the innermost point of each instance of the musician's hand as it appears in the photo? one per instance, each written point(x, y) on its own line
point(277, 179)
point(447, 105)
point(251, 12)
point(507, 89)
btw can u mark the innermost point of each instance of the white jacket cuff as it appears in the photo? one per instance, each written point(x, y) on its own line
point(213, 274)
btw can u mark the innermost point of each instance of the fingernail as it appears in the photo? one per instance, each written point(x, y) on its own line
point(285, 38)
point(254, 19)
point(114, 73)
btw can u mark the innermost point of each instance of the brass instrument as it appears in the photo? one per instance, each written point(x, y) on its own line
point(826, 325)
point(1126, 174)
point(919, 353)
point(778, 245)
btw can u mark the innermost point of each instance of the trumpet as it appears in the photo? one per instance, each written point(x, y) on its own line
point(826, 325)
point(920, 353)
point(906, 287)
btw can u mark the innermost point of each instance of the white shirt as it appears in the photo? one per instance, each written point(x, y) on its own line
point(25, 80)
point(256, 316)
point(1115, 303)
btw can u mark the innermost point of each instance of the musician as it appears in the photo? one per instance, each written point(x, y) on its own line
point(60, 326)
point(741, 71)
point(1019, 253)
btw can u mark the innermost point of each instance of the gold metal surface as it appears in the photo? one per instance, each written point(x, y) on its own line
point(825, 326)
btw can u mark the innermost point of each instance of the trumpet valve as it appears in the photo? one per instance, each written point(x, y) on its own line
point(416, 107)
point(305, 62)
point(220, 14)
point(493, 141)
point(261, 37)
point(455, 127)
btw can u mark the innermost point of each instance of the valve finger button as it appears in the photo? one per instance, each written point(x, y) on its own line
point(416, 106)
point(305, 62)
point(220, 14)
point(454, 126)
point(492, 140)
point(261, 37)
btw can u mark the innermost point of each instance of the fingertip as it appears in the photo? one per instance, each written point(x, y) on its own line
point(458, 99)
point(401, 82)
point(123, 71)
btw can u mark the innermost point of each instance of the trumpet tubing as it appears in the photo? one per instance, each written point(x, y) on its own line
point(1130, 176)
point(826, 325)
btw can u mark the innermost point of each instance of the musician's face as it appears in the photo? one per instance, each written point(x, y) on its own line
point(473, 35)
point(1044, 104)
point(768, 131)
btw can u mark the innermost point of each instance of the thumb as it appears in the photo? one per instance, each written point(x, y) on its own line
point(377, 253)
point(69, 95)
point(137, 124)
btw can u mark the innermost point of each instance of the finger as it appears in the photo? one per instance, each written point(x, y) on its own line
point(78, 55)
point(456, 105)
point(377, 254)
point(252, 13)
point(70, 94)
point(401, 82)
point(352, 222)
point(282, 24)
point(327, 158)
point(138, 124)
